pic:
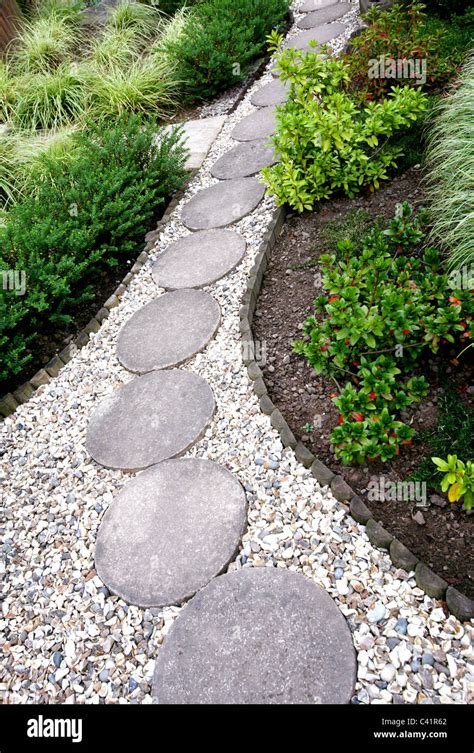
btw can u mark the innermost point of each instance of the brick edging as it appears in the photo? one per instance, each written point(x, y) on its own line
point(426, 579)
point(10, 402)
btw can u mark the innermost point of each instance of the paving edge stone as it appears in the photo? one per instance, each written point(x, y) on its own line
point(10, 402)
point(459, 604)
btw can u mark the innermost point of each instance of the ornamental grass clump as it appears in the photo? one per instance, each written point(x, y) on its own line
point(451, 172)
point(147, 85)
point(42, 45)
point(50, 100)
point(326, 143)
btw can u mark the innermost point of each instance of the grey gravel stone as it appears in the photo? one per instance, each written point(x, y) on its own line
point(359, 510)
point(378, 536)
point(259, 635)
point(152, 418)
point(222, 204)
point(429, 582)
point(199, 259)
point(168, 331)
point(304, 455)
point(401, 556)
point(258, 125)
point(460, 605)
point(323, 16)
point(312, 5)
point(245, 159)
point(274, 93)
point(340, 489)
point(321, 473)
point(320, 35)
point(170, 531)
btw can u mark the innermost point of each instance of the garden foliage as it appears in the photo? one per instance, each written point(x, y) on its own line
point(387, 305)
point(86, 215)
point(325, 142)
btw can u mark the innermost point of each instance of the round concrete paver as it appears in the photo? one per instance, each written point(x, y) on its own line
point(171, 529)
point(198, 259)
point(274, 93)
point(222, 204)
point(324, 15)
point(321, 35)
point(258, 125)
point(311, 5)
point(168, 330)
point(258, 635)
point(244, 159)
point(152, 418)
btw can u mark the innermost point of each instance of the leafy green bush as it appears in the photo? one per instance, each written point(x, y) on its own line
point(324, 141)
point(86, 215)
point(451, 161)
point(220, 40)
point(384, 310)
point(458, 479)
point(448, 8)
point(403, 34)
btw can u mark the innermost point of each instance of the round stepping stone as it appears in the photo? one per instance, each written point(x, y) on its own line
point(324, 15)
point(258, 635)
point(311, 5)
point(168, 330)
point(258, 125)
point(274, 93)
point(171, 529)
point(152, 418)
point(198, 259)
point(222, 204)
point(244, 159)
point(320, 35)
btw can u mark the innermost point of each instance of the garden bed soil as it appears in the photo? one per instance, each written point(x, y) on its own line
point(445, 540)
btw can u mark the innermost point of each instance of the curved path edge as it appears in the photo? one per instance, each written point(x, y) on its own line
point(426, 579)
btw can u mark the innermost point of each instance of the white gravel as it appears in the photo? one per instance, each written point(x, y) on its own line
point(65, 639)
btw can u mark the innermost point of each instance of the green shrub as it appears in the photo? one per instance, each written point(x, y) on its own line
point(324, 141)
point(451, 161)
point(448, 8)
point(406, 34)
point(88, 213)
point(385, 308)
point(458, 479)
point(220, 40)
point(49, 100)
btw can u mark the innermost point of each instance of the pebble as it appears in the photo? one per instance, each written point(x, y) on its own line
point(401, 626)
point(377, 614)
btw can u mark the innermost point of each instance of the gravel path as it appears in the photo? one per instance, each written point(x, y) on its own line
point(66, 639)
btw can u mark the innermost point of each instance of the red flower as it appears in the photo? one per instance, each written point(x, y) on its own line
point(357, 416)
point(406, 331)
point(340, 420)
point(454, 300)
point(372, 395)
point(333, 298)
